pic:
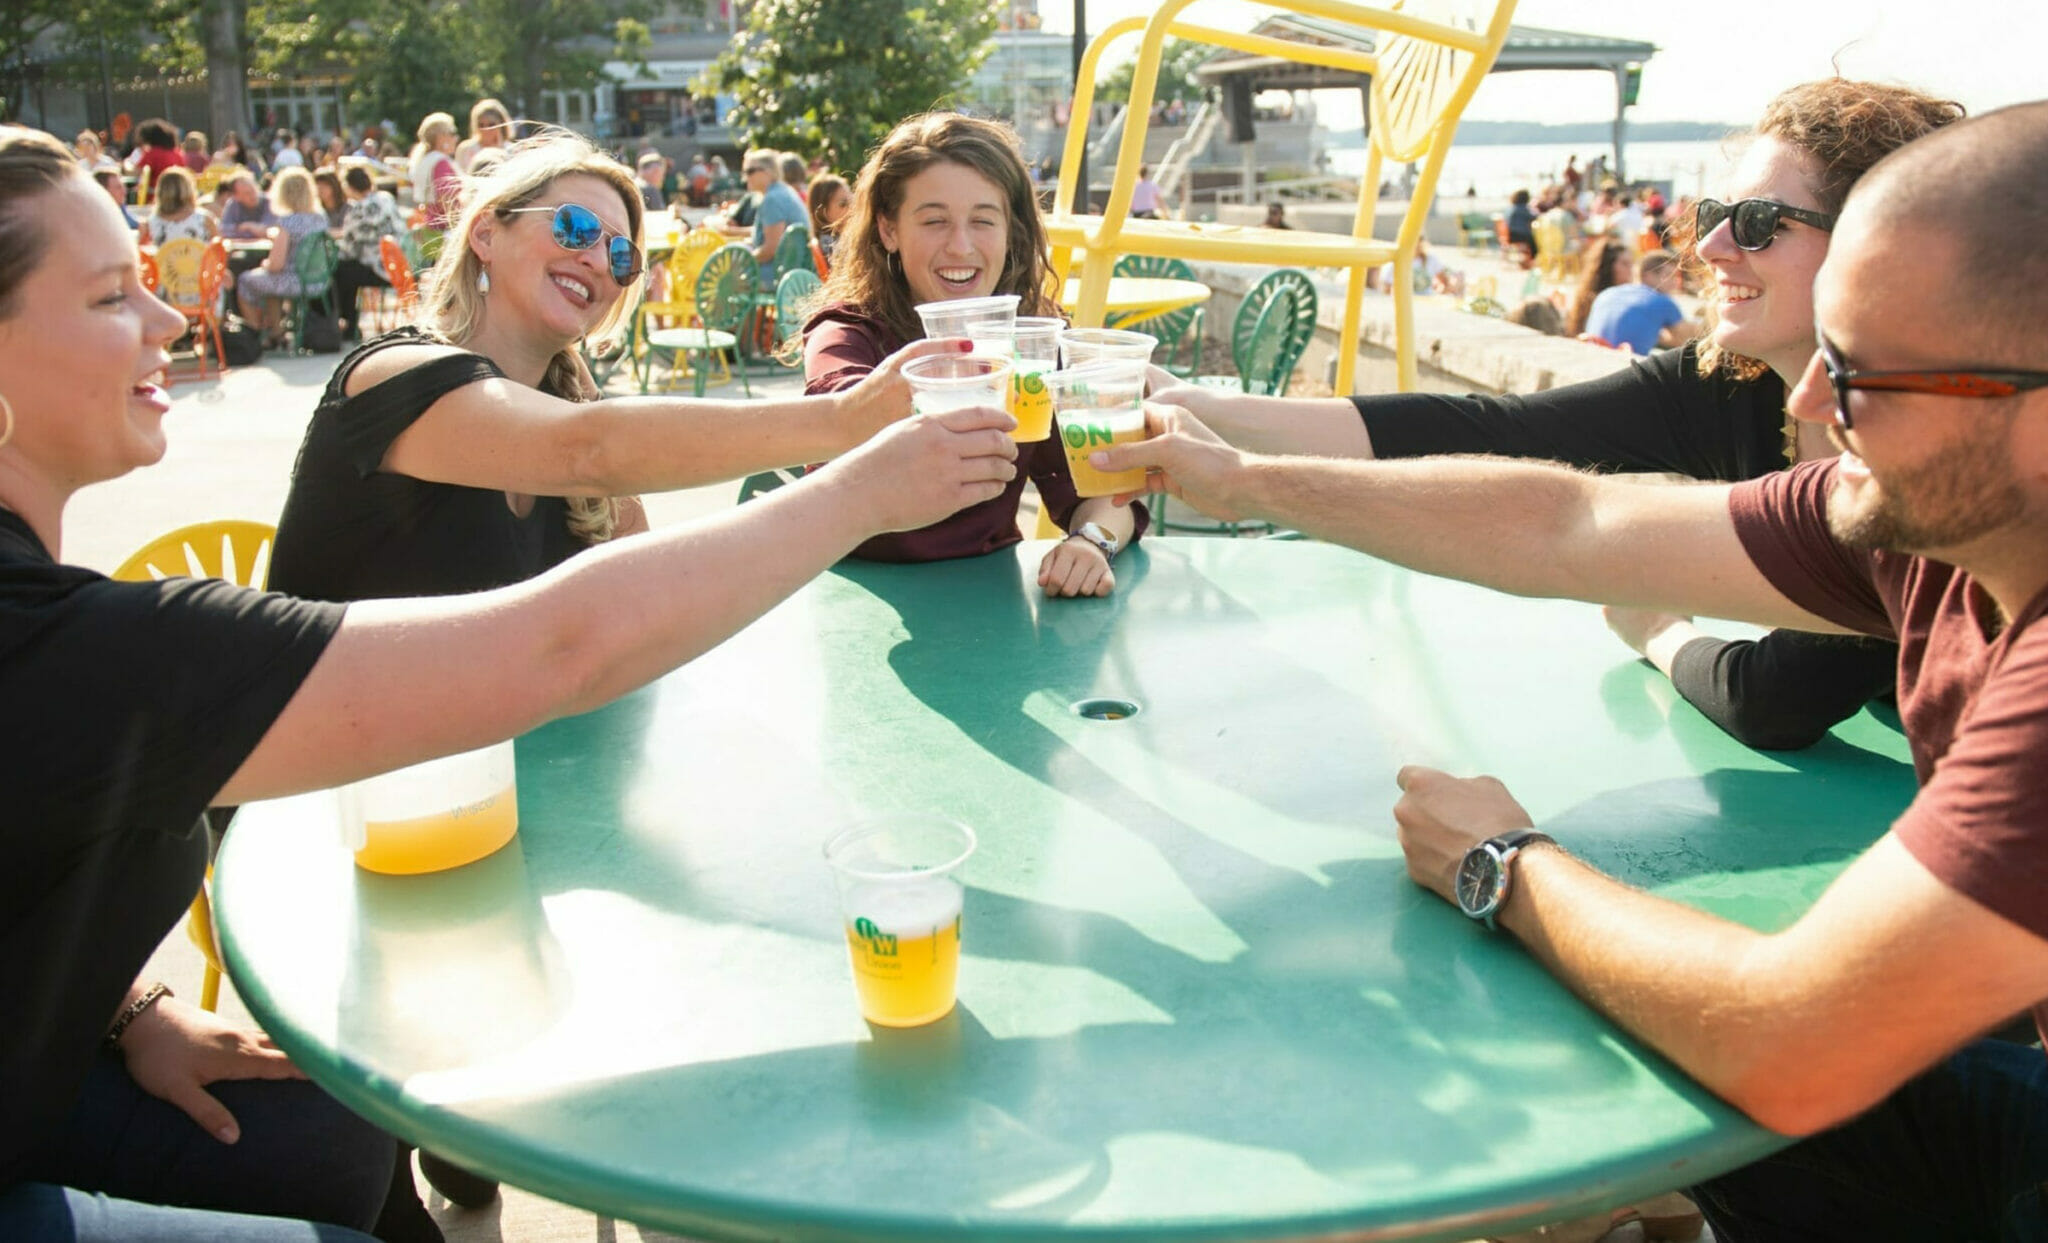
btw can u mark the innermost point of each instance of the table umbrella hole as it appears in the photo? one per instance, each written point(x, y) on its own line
point(1106, 709)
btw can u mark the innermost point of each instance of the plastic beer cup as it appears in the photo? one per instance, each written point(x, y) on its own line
point(901, 910)
point(1100, 404)
point(1089, 345)
point(433, 816)
point(1032, 345)
point(946, 382)
point(959, 317)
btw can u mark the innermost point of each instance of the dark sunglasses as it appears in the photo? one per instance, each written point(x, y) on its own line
point(1939, 383)
point(1756, 220)
point(577, 228)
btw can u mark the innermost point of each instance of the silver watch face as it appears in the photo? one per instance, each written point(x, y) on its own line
point(1478, 882)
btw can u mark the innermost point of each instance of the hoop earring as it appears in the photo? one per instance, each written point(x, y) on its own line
point(896, 262)
point(483, 281)
point(6, 408)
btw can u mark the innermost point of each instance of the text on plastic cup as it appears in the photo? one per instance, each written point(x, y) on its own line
point(904, 940)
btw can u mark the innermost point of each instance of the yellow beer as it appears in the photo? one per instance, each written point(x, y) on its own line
point(904, 939)
point(1087, 430)
point(443, 839)
point(1030, 400)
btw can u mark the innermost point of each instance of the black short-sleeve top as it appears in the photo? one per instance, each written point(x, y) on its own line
point(352, 530)
point(126, 707)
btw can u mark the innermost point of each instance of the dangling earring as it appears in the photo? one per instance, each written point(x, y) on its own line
point(483, 281)
point(6, 408)
point(896, 262)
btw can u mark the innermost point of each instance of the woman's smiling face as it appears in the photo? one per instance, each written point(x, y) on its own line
point(952, 233)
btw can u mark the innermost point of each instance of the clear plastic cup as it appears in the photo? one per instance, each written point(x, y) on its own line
point(960, 316)
point(1032, 345)
point(901, 908)
point(945, 382)
point(1088, 345)
point(1100, 404)
point(433, 816)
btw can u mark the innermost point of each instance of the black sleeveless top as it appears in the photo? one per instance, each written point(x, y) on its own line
point(353, 531)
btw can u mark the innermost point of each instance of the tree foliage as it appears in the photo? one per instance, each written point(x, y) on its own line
point(834, 76)
point(1177, 61)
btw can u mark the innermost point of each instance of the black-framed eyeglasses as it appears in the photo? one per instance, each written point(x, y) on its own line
point(1971, 383)
point(1755, 220)
point(576, 227)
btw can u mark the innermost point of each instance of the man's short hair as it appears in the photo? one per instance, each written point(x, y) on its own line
point(1983, 184)
point(357, 178)
point(1655, 266)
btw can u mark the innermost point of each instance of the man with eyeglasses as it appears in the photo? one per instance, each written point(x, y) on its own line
point(1859, 1025)
point(778, 208)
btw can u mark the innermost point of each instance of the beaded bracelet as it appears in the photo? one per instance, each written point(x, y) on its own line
point(150, 996)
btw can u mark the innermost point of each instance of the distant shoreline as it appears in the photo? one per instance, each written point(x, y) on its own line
point(1532, 133)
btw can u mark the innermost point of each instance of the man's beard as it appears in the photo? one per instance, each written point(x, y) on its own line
point(1965, 491)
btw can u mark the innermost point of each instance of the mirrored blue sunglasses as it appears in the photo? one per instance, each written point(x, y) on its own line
point(577, 228)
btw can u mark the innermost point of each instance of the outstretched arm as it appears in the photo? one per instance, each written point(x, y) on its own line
point(503, 435)
point(407, 680)
point(1527, 528)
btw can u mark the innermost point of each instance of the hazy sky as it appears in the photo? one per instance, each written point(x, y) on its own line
point(1723, 59)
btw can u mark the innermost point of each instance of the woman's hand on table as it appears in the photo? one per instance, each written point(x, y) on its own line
point(1441, 817)
point(883, 395)
point(174, 1050)
point(1075, 567)
point(928, 467)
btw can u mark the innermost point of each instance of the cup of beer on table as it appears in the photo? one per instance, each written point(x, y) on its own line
point(1100, 404)
point(901, 909)
point(433, 816)
point(943, 382)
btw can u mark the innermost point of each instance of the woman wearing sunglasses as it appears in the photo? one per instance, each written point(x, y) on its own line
point(1712, 410)
point(470, 450)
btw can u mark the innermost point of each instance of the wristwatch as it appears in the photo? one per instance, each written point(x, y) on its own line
point(1097, 536)
point(1485, 876)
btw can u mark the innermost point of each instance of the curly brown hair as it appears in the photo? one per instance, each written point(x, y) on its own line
point(1844, 127)
point(864, 271)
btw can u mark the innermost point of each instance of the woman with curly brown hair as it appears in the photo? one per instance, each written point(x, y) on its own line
point(1712, 410)
point(944, 210)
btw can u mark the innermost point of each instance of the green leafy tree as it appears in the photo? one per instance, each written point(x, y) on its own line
point(834, 76)
point(1177, 61)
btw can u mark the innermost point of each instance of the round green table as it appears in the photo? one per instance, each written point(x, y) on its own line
point(1200, 999)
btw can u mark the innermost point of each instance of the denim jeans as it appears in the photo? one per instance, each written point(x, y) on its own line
point(122, 1156)
point(1959, 1153)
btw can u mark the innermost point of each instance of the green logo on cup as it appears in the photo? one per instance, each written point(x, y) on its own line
point(880, 944)
point(1082, 435)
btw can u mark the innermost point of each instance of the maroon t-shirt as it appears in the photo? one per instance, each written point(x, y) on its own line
point(1973, 694)
point(841, 345)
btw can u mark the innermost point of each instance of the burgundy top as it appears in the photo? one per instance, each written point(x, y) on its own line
point(1973, 695)
point(156, 160)
point(841, 345)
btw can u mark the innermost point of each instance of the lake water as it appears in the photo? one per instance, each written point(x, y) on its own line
point(1498, 171)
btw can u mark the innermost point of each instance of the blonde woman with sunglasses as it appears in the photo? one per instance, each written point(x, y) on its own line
point(1712, 410)
point(471, 450)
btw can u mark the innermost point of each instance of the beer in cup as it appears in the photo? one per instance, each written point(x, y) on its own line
point(959, 317)
point(432, 816)
point(1088, 345)
point(943, 382)
point(901, 910)
point(1032, 345)
point(1100, 404)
